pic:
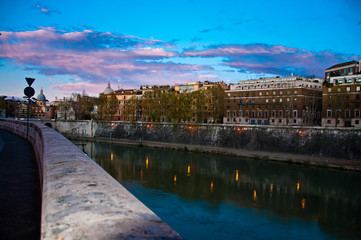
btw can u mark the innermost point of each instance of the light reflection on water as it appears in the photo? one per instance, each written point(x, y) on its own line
point(205, 196)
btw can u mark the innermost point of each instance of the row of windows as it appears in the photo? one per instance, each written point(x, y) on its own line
point(264, 122)
point(251, 87)
point(338, 113)
point(266, 100)
point(264, 114)
point(261, 93)
point(348, 89)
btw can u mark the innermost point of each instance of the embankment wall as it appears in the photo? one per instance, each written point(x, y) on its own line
point(341, 143)
point(79, 199)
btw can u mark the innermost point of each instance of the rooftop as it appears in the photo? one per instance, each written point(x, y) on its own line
point(343, 64)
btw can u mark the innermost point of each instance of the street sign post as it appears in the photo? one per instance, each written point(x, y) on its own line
point(29, 92)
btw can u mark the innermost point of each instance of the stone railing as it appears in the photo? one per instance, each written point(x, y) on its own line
point(79, 199)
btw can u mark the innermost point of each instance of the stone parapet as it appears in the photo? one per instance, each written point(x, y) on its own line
point(79, 199)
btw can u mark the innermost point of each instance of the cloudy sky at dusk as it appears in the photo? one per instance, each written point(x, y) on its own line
point(71, 46)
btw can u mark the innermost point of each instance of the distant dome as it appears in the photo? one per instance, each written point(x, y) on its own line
point(108, 89)
point(41, 96)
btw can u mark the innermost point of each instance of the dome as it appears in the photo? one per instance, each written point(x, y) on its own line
point(108, 89)
point(41, 96)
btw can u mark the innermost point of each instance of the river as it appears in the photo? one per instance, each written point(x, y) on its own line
point(205, 196)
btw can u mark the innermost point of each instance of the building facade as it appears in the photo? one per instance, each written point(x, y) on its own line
point(341, 100)
point(275, 101)
point(43, 110)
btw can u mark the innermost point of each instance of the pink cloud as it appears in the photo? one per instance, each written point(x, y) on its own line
point(272, 59)
point(78, 87)
point(94, 57)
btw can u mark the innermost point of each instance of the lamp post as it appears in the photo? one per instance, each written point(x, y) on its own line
point(29, 92)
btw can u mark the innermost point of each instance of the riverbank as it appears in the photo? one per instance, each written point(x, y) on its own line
point(326, 162)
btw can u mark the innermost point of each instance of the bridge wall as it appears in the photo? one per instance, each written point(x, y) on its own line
point(79, 199)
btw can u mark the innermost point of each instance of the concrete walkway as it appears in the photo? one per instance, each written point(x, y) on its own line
point(344, 164)
point(20, 202)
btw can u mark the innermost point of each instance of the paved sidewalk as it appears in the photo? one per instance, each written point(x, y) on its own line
point(20, 198)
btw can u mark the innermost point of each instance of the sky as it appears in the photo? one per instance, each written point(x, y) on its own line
point(75, 46)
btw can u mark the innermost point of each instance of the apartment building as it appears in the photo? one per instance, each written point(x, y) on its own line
point(341, 98)
point(342, 69)
point(279, 101)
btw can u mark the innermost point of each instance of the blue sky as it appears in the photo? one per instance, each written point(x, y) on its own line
point(71, 46)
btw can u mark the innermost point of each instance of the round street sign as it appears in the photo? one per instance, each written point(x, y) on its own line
point(29, 92)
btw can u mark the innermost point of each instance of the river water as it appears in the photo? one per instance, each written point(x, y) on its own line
point(205, 196)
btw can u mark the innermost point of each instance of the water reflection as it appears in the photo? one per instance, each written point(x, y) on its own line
point(329, 198)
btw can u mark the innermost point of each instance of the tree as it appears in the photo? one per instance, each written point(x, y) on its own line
point(112, 106)
point(216, 103)
point(101, 107)
point(130, 109)
point(338, 100)
point(64, 108)
point(312, 108)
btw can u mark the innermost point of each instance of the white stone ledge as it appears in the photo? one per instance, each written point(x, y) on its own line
point(79, 199)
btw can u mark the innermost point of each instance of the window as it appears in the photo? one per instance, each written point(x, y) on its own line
point(348, 89)
point(357, 122)
point(267, 100)
point(281, 100)
point(295, 92)
point(295, 113)
point(260, 93)
point(347, 113)
point(357, 88)
point(357, 113)
point(329, 89)
point(281, 93)
point(329, 113)
point(280, 113)
point(273, 113)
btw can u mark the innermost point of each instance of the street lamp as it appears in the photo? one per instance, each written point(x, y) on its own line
point(29, 92)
